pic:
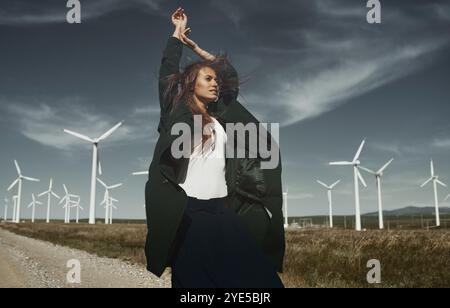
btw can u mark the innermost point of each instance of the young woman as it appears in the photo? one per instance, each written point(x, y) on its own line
point(216, 220)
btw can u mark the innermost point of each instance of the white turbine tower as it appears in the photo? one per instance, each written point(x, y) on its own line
point(33, 204)
point(357, 177)
point(14, 208)
point(330, 204)
point(49, 193)
point(285, 197)
point(378, 174)
point(19, 194)
point(436, 181)
point(107, 198)
point(95, 162)
point(5, 217)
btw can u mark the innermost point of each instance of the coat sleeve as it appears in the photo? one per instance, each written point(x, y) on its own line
point(170, 64)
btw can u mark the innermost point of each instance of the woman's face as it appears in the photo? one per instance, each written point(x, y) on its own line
point(207, 85)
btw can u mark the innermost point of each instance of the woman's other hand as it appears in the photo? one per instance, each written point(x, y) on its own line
point(187, 41)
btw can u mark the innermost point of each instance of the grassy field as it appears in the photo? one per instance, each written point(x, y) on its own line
point(314, 258)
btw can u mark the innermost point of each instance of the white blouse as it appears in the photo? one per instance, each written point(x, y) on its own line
point(205, 177)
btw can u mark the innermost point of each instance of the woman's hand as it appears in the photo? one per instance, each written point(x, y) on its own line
point(179, 19)
point(187, 41)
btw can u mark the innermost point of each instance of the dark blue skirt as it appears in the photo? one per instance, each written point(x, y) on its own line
point(214, 250)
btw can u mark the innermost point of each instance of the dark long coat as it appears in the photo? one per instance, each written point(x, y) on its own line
point(255, 194)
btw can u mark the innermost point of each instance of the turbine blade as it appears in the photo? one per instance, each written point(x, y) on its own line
point(65, 189)
point(432, 168)
point(13, 184)
point(17, 167)
point(51, 184)
point(108, 133)
point(101, 182)
point(426, 182)
point(440, 183)
point(140, 173)
point(446, 198)
point(32, 196)
point(337, 182)
point(323, 184)
point(103, 202)
point(359, 150)
point(55, 195)
point(45, 192)
point(39, 202)
point(341, 163)
point(361, 178)
point(385, 166)
point(115, 186)
point(31, 179)
point(83, 137)
point(367, 170)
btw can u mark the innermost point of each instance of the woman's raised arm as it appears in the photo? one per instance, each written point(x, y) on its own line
point(170, 63)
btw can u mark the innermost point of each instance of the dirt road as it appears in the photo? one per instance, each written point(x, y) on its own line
point(26, 262)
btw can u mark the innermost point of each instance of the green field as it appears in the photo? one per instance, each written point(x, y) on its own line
point(316, 257)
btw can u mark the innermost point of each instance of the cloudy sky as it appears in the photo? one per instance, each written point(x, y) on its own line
point(316, 67)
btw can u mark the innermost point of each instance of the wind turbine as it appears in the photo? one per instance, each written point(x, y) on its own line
point(378, 174)
point(19, 194)
point(95, 162)
point(285, 194)
point(49, 192)
point(357, 177)
point(67, 204)
point(33, 204)
point(107, 198)
point(436, 181)
point(78, 207)
point(330, 204)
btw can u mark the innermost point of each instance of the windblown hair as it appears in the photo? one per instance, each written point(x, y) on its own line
point(181, 85)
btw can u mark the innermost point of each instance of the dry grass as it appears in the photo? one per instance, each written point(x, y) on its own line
point(314, 258)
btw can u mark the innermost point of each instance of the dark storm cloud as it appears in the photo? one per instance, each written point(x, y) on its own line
point(316, 55)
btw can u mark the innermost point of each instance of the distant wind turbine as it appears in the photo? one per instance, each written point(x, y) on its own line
point(19, 194)
point(95, 162)
point(378, 174)
point(436, 181)
point(77, 205)
point(33, 204)
point(68, 203)
point(357, 177)
point(49, 193)
point(107, 200)
point(330, 204)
